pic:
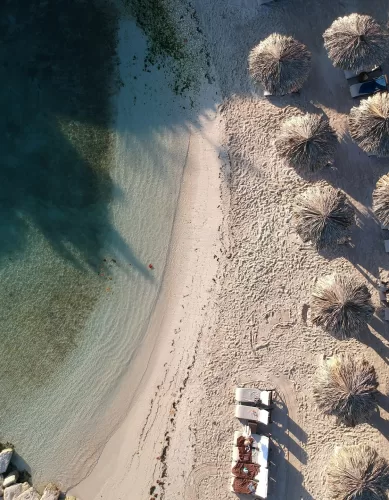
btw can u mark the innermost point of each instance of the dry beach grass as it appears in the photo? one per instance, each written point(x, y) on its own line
point(357, 472)
point(356, 42)
point(345, 387)
point(307, 142)
point(381, 200)
point(369, 124)
point(341, 305)
point(280, 64)
point(323, 216)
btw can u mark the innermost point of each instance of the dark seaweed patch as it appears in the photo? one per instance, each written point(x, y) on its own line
point(174, 41)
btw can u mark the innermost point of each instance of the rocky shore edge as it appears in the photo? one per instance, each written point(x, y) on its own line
point(15, 484)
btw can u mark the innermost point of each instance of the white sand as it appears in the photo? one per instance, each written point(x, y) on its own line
point(252, 326)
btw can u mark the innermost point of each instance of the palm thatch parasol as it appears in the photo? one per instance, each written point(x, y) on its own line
point(280, 64)
point(346, 386)
point(357, 472)
point(307, 142)
point(323, 215)
point(369, 124)
point(356, 42)
point(341, 305)
point(381, 200)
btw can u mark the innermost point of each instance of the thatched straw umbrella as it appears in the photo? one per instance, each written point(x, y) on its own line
point(341, 305)
point(369, 124)
point(323, 215)
point(381, 200)
point(356, 42)
point(307, 142)
point(345, 386)
point(357, 472)
point(280, 64)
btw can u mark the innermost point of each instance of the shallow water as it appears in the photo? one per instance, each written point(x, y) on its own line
point(88, 196)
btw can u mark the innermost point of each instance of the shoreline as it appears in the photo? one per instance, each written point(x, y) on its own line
point(173, 329)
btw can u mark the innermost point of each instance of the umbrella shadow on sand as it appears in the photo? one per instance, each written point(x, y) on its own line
point(286, 454)
point(377, 420)
point(374, 337)
point(362, 247)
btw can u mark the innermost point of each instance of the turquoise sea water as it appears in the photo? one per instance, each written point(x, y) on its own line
point(90, 173)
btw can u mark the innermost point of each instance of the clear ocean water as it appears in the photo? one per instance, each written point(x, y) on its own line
point(89, 184)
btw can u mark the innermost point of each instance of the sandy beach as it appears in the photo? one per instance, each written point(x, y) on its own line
point(234, 308)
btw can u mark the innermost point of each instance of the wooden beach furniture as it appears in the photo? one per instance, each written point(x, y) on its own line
point(353, 74)
point(256, 396)
point(256, 438)
point(259, 452)
point(261, 480)
point(244, 412)
point(257, 457)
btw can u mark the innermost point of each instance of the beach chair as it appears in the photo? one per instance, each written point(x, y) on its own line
point(256, 438)
point(386, 242)
point(266, 93)
point(370, 87)
point(256, 396)
point(244, 412)
point(261, 479)
point(260, 449)
point(352, 74)
point(382, 290)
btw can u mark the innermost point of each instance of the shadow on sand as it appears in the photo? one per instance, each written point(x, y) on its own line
point(377, 420)
point(286, 454)
point(376, 337)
